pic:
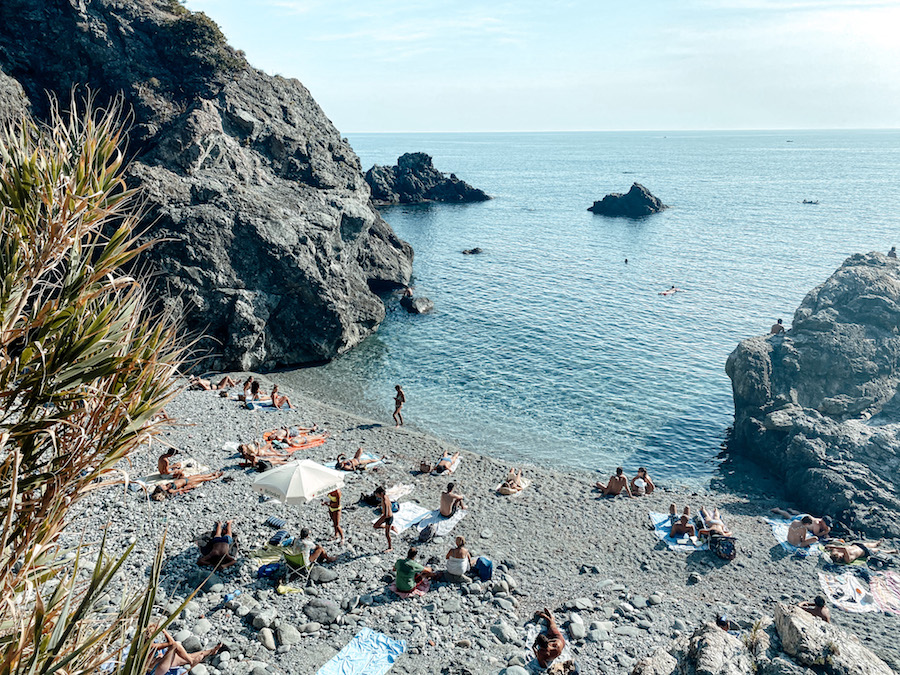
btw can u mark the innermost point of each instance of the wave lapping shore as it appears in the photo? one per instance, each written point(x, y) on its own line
point(617, 591)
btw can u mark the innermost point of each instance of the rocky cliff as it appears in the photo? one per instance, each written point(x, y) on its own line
point(271, 245)
point(414, 180)
point(820, 402)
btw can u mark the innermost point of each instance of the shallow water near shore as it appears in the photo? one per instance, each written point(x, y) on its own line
point(548, 348)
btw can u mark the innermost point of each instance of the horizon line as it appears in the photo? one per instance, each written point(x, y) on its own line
point(606, 131)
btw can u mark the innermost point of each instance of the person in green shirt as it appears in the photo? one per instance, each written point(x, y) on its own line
point(409, 572)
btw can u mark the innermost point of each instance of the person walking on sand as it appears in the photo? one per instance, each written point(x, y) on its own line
point(615, 485)
point(777, 327)
point(399, 400)
point(386, 520)
point(334, 510)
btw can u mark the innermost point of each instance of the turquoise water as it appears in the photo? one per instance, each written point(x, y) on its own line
point(548, 348)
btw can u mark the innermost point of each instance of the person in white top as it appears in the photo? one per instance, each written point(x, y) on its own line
point(459, 561)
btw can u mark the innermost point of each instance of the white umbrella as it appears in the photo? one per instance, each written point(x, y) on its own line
point(298, 482)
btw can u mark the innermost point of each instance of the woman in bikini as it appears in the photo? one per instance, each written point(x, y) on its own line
point(355, 463)
point(399, 400)
point(170, 654)
point(182, 485)
point(714, 522)
point(446, 462)
point(334, 510)
point(279, 400)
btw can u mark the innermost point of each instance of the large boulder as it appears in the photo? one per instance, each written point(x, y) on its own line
point(414, 180)
point(269, 243)
point(636, 203)
point(819, 402)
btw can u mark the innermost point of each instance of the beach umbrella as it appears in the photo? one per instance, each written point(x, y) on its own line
point(298, 482)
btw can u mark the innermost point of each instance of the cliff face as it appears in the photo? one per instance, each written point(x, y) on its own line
point(272, 246)
point(820, 402)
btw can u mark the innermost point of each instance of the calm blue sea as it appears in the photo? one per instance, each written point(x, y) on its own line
point(548, 348)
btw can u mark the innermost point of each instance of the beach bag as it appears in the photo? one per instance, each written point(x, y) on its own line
point(484, 568)
point(263, 465)
point(268, 571)
point(724, 547)
point(395, 507)
point(428, 533)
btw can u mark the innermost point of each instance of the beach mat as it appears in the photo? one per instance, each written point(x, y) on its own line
point(408, 515)
point(780, 530)
point(848, 592)
point(662, 525)
point(885, 589)
point(443, 526)
point(267, 554)
point(398, 491)
point(368, 653)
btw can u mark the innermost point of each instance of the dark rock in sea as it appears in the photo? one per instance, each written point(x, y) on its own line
point(820, 404)
point(636, 203)
point(472, 251)
point(415, 180)
point(420, 305)
point(270, 244)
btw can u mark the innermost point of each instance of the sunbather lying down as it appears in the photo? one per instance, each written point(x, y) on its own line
point(195, 382)
point(182, 485)
point(171, 655)
point(847, 553)
point(252, 453)
point(286, 434)
point(444, 465)
point(713, 523)
point(355, 463)
point(512, 484)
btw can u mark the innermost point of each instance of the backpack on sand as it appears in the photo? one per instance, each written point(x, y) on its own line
point(724, 547)
point(484, 568)
point(428, 533)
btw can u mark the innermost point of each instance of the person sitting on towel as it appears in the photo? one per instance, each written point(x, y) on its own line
point(166, 467)
point(446, 462)
point(797, 531)
point(459, 561)
point(409, 572)
point(821, 527)
point(817, 608)
point(548, 646)
point(615, 485)
point(182, 485)
point(309, 549)
point(641, 484)
point(218, 555)
point(355, 463)
point(451, 501)
point(279, 400)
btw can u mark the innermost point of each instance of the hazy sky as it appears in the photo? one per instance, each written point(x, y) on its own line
point(463, 65)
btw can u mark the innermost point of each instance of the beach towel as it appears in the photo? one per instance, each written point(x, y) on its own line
point(848, 592)
point(398, 491)
point(780, 531)
point(363, 456)
point(368, 653)
point(409, 514)
point(662, 525)
point(268, 554)
point(525, 484)
point(442, 526)
point(453, 466)
point(885, 588)
point(421, 589)
point(190, 467)
point(533, 666)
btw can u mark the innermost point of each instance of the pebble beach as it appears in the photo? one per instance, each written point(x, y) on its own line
point(616, 590)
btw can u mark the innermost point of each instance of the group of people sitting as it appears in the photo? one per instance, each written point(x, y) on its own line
point(251, 395)
point(711, 523)
point(640, 485)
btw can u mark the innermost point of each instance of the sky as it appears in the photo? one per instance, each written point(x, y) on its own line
point(464, 65)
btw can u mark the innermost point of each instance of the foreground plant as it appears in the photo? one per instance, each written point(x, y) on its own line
point(84, 370)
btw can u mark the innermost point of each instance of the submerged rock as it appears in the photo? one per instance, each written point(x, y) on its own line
point(415, 180)
point(269, 243)
point(635, 203)
point(819, 402)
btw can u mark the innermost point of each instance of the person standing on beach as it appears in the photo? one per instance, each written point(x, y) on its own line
point(334, 510)
point(777, 327)
point(387, 516)
point(399, 400)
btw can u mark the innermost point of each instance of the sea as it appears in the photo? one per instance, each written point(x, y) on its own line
point(554, 346)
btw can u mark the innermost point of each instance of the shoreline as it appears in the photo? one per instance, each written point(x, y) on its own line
point(555, 544)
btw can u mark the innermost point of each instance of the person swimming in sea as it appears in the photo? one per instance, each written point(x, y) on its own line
point(672, 291)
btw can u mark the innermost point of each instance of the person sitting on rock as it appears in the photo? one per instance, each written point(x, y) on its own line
point(847, 553)
point(549, 645)
point(797, 531)
point(777, 327)
point(723, 622)
point(166, 467)
point(513, 483)
point(893, 252)
point(309, 549)
point(220, 547)
point(615, 485)
point(641, 483)
point(459, 561)
point(817, 608)
point(355, 463)
point(713, 523)
point(182, 485)
point(451, 501)
point(169, 655)
point(410, 573)
point(280, 400)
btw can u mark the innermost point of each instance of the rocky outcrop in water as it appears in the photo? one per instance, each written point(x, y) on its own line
point(415, 180)
point(794, 643)
point(270, 244)
point(416, 305)
point(636, 203)
point(820, 401)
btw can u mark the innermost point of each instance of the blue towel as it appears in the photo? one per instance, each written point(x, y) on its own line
point(368, 653)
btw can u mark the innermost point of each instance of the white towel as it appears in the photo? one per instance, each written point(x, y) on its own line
point(409, 514)
point(780, 531)
point(444, 526)
point(662, 526)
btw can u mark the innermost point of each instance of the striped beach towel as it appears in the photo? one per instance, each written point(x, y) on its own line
point(368, 653)
point(886, 591)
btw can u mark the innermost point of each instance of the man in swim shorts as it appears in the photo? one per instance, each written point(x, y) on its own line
point(615, 485)
point(218, 555)
point(451, 501)
point(166, 467)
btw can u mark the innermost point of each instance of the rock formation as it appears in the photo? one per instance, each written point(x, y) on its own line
point(636, 203)
point(415, 180)
point(271, 246)
point(795, 643)
point(419, 305)
point(820, 402)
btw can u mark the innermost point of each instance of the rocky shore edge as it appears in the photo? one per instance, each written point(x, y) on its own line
point(618, 592)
